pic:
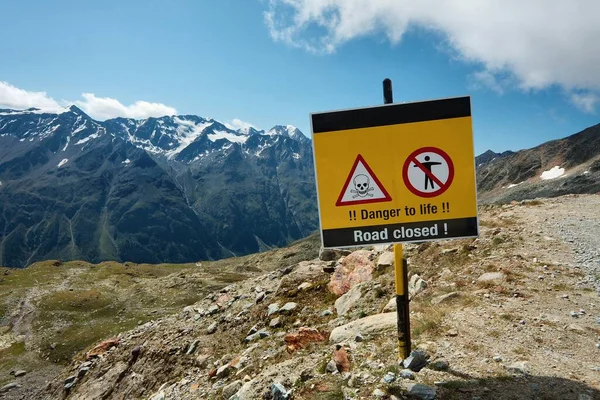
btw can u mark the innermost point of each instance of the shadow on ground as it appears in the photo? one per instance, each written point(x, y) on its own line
point(517, 387)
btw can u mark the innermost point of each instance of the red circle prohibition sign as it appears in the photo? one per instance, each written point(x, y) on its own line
point(412, 159)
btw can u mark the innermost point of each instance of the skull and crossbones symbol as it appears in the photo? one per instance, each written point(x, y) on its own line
point(362, 184)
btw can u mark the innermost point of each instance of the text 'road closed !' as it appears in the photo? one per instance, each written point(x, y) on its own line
point(396, 173)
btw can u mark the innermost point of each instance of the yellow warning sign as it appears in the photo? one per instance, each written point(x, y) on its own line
point(396, 173)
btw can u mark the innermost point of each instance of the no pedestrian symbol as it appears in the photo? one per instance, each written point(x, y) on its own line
point(428, 172)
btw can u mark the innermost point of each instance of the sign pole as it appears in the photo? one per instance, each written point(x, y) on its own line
point(400, 269)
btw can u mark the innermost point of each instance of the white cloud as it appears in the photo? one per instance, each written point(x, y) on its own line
point(539, 43)
point(15, 98)
point(585, 101)
point(106, 107)
point(97, 107)
point(236, 124)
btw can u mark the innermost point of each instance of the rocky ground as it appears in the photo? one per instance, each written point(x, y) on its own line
point(514, 314)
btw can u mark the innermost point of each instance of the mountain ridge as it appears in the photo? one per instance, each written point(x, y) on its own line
point(198, 167)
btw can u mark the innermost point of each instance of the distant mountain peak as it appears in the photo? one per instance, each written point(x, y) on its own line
point(76, 110)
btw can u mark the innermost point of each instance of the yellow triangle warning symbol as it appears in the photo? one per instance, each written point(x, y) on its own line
point(362, 186)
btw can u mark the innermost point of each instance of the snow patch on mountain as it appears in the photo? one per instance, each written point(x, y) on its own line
point(232, 137)
point(62, 162)
point(67, 144)
point(87, 139)
point(553, 173)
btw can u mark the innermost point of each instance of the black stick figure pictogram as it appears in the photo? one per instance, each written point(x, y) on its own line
point(428, 164)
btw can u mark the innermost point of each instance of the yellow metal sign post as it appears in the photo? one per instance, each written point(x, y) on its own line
point(396, 173)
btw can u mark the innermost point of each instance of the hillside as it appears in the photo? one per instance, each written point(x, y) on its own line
point(51, 311)
point(173, 189)
point(510, 315)
point(555, 168)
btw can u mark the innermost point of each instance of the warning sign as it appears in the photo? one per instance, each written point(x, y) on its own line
point(396, 173)
point(428, 172)
point(362, 186)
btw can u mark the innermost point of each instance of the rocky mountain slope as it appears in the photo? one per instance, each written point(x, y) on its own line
point(558, 167)
point(513, 314)
point(169, 189)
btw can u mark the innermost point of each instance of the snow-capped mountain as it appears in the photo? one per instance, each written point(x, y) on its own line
point(76, 188)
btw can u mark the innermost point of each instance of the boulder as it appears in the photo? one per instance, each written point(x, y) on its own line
point(345, 302)
point(355, 268)
point(297, 340)
point(492, 277)
point(368, 326)
point(416, 285)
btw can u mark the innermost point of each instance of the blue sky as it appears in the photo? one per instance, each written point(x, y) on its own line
point(223, 59)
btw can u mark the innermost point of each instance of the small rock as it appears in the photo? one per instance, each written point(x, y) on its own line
point(389, 377)
point(327, 255)
point(279, 392)
point(358, 338)
point(192, 347)
point(288, 307)
point(329, 269)
point(598, 345)
point(492, 277)
point(378, 393)
point(20, 373)
point(331, 367)
point(444, 297)
point(275, 322)
point(82, 371)
point(407, 374)
point(449, 251)
point(386, 259)
point(326, 313)
point(391, 305)
point(223, 371)
point(452, 333)
point(415, 361)
point(213, 309)
point(416, 285)
point(212, 328)
point(260, 296)
point(8, 387)
point(576, 328)
point(421, 391)
point(574, 314)
point(272, 309)
point(231, 389)
point(439, 365)
point(497, 358)
point(70, 382)
point(305, 286)
point(252, 330)
point(520, 367)
point(158, 396)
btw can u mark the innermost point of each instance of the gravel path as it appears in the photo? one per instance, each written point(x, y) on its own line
point(576, 220)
